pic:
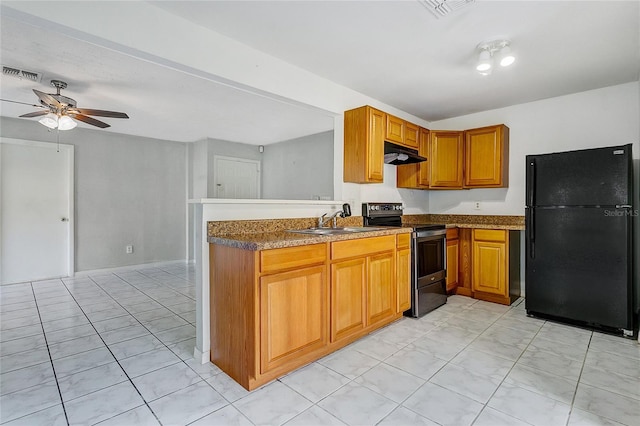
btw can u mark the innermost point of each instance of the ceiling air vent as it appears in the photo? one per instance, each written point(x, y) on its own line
point(21, 74)
point(441, 8)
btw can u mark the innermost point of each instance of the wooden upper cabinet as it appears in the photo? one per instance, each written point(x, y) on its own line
point(411, 135)
point(416, 176)
point(395, 129)
point(364, 133)
point(486, 157)
point(423, 150)
point(445, 168)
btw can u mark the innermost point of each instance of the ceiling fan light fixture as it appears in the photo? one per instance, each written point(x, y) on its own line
point(50, 120)
point(66, 123)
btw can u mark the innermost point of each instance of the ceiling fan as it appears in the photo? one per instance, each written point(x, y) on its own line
point(58, 110)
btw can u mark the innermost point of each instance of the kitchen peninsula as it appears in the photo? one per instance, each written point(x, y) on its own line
point(279, 300)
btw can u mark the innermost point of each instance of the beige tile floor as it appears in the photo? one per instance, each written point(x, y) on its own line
point(115, 349)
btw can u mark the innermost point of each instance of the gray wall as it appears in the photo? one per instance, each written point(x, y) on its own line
point(299, 169)
point(128, 190)
point(227, 149)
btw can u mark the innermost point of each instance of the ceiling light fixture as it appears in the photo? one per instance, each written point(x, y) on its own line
point(501, 49)
point(50, 120)
point(62, 122)
point(66, 123)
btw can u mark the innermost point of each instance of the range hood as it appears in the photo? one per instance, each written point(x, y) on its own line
point(398, 155)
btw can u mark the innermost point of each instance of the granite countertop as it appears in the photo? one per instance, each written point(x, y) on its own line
point(515, 223)
point(283, 238)
point(272, 233)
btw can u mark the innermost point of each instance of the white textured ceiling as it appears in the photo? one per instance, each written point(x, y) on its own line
point(398, 53)
point(393, 51)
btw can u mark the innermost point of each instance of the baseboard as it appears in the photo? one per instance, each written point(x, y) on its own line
point(131, 267)
point(201, 357)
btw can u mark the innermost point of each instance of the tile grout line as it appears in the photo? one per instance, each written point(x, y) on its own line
point(114, 357)
point(150, 332)
point(44, 334)
point(507, 375)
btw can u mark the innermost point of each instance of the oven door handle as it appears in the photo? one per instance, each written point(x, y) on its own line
point(444, 242)
point(429, 235)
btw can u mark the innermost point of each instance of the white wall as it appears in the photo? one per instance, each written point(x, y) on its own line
point(128, 190)
point(597, 118)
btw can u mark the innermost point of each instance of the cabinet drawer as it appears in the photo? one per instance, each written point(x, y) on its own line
point(490, 235)
point(404, 241)
point(292, 257)
point(452, 233)
point(362, 247)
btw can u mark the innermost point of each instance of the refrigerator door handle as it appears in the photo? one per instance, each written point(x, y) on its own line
point(531, 183)
point(532, 232)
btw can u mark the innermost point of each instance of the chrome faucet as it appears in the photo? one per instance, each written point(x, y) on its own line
point(345, 212)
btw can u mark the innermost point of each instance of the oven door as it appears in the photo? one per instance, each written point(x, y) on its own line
point(429, 257)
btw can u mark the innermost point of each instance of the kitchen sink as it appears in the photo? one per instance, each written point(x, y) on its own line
point(334, 231)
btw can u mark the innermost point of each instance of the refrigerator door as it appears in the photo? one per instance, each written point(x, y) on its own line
point(578, 265)
point(591, 177)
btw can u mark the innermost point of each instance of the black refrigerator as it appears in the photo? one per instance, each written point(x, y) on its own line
point(579, 239)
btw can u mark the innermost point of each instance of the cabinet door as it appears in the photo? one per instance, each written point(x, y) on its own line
point(411, 135)
point(348, 282)
point(375, 151)
point(486, 157)
point(489, 267)
point(403, 279)
point(423, 150)
point(364, 132)
point(395, 129)
point(381, 288)
point(293, 315)
point(452, 264)
point(446, 160)
point(416, 176)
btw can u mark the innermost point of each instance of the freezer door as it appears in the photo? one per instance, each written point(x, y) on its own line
point(588, 177)
point(578, 265)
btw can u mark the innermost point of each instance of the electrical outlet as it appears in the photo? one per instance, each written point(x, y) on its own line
point(129, 249)
point(476, 205)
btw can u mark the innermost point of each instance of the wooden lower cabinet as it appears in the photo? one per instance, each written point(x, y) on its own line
point(275, 310)
point(381, 287)
point(348, 303)
point(496, 265)
point(453, 253)
point(293, 315)
point(403, 272)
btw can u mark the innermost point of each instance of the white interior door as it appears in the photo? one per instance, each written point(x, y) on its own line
point(36, 219)
point(236, 177)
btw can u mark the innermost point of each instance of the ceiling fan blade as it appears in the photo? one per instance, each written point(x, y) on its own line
point(23, 103)
point(89, 120)
point(47, 99)
point(34, 114)
point(99, 113)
